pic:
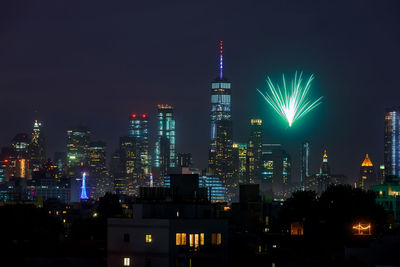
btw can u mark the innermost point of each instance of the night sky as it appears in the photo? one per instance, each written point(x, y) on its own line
point(94, 63)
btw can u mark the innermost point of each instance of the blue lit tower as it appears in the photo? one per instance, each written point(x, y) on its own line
point(220, 153)
point(392, 142)
point(83, 188)
point(165, 155)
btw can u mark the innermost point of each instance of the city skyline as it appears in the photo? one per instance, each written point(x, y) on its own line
point(102, 102)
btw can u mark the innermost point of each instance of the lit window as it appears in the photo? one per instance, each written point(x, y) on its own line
point(213, 238)
point(178, 239)
point(196, 240)
point(148, 239)
point(183, 241)
point(202, 239)
point(219, 239)
point(127, 261)
point(191, 240)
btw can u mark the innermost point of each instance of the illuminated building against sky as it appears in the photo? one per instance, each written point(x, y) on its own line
point(165, 155)
point(240, 158)
point(254, 150)
point(275, 170)
point(305, 163)
point(220, 161)
point(392, 142)
point(77, 150)
point(220, 108)
point(37, 152)
point(98, 169)
point(367, 174)
point(139, 133)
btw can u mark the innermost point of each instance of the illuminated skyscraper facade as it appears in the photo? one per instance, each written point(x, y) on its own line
point(78, 140)
point(305, 163)
point(275, 171)
point(165, 153)
point(254, 151)
point(37, 150)
point(240, 162)
point(392, 142)
point(367, 176)
point(184, 160)
point(220, 161)
point(139, 134)
point(98, 169)
point(19, 163)
point(324, 176)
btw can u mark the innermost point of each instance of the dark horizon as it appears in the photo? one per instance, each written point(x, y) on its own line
point(94, 64)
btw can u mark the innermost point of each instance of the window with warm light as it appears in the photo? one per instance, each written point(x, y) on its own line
point(127, 262)
point(202, 239)
point(219, 239)
point(213, 239)
point(196, 240)
point(191, 240)
point(183, 240)
point(178, 239)
point(148, 239)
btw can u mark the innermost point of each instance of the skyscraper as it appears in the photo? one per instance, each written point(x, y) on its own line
point(78, 140)
point(98, 169)
point(184, 160)
point(240, 162)
point(324, 176)
point(138, 131)
point(254, 151)
point(220, 153)
point(305, 163)
point(165, 155)
point(128, 159)
point(367, 176)
point(275, 171)
point(19, 158)
point(37, 150)
point(392, 142)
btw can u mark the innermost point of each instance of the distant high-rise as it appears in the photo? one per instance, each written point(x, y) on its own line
point(98, 173)
point(240, 162)
point(19, 165)
point(324, 176)
point(184, 160)
point(305, 163)
point(220, 153)
point(165, 154)
point(138, 131)
point(392, 142)
point(118, 173)
point(275, 171)
point(254, 151)
point(367, 174)
point(20, 145)
point(78, 140)
point(37, 150)
point(223, 166)
point(60, 160)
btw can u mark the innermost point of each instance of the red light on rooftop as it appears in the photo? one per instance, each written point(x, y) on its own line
point(144, 116)
point(134, 115)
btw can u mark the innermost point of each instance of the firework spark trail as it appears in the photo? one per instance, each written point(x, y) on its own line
point(290, 103)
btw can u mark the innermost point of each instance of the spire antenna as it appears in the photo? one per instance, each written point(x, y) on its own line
point(221, 58)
